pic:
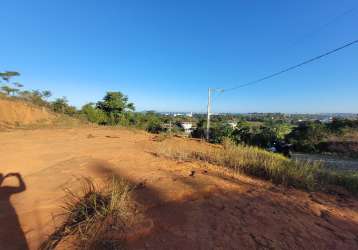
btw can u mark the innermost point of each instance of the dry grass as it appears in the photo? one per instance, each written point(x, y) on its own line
point(93, 216)
point(257, 162)
point(161, 137)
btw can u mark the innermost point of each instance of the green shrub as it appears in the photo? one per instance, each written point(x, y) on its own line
point(154, 126)
point(93, 114)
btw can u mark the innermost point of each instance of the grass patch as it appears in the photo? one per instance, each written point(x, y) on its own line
point(94, 218)
point(257, 162)
point(161, 137)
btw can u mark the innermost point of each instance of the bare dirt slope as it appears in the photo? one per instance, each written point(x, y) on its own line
point(15, 113)
point(176, 209)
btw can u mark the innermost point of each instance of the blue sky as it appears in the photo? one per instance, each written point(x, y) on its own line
point(165, 54)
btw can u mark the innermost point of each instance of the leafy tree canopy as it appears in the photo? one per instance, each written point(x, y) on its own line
point(7, 75)
point(115, 102)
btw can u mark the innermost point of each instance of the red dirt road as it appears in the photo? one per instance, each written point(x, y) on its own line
point(175, 210)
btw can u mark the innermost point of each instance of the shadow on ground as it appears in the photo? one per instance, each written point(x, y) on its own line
point(11, 233)
point(222, 219)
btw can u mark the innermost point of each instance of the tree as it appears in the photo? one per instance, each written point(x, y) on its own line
point(60, 105)
point(307, 136)
point(220, 131)
point(8, 90)
point(19, 85)
point(153, 122)
point(199, 131)
point(93, 114)
point(46, 94)
point(34, 96)
point(70, 110)
point(115, 104)
point(7, 75)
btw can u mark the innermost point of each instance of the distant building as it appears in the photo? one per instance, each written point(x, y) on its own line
point(327, 120)
point(187, 126)
point(232, 124)
point(183, 114)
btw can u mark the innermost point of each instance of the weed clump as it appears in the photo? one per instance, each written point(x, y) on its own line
point(94, 218)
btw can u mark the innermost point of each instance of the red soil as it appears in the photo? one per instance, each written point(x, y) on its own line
point(176, 208)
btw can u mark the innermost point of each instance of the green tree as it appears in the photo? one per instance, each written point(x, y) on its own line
point(307, 136)
point(262, 136)
point(115, 105)
point(46, 94)
point(153, 122)
point(70, 110)
point(18, 85)
point(34, 96)
point(60, 105)
point(8, 90)
point(220, 131)
point(93, 114)
point(7, 75)
point(199, 131)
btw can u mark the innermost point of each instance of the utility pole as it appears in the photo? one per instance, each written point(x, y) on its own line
point(210, 91)
point(208, 116)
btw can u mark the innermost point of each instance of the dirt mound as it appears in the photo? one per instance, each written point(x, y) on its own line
point(179, 205)
point(17, 113)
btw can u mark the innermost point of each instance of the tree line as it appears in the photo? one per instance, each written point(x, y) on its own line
point(114, 109)
point(256, 130)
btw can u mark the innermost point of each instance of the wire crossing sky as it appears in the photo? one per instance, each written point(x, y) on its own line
point(291, 67)
point(165, 54)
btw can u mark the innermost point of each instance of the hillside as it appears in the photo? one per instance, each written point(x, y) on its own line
point(15, 113)
point(178, 204)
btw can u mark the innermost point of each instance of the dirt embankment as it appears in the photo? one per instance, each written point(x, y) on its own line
point(17, 113)
point(180, 205)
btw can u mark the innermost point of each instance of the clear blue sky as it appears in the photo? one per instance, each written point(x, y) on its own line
point(165, 54)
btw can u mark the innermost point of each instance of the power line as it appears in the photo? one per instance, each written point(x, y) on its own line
point(325, 25)
point(292, 67)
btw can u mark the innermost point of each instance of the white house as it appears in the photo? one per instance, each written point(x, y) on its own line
point(232, 124)
point(187, 126)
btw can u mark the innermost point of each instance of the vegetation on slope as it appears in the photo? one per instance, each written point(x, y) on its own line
point(255, 130)
point(257, 162)
point(113, 110)
point(338, 136)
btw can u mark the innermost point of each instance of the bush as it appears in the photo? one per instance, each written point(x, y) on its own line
point(154, 126)
point(218, 131)
point(60, 105)
point(93, 114)
point(307, 136)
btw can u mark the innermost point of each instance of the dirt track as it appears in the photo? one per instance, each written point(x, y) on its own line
point(177, 211)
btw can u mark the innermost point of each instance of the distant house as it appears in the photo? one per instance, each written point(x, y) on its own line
point(327, 120)
point(183, 114)
point(187, 126)
point(232, 124)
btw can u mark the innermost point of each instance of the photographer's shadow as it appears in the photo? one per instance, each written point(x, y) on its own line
point(11, 233)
